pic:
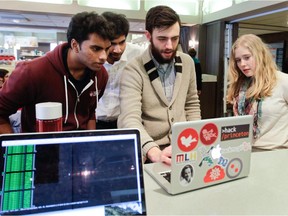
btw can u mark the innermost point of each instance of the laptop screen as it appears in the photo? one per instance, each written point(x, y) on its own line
point(85, 172)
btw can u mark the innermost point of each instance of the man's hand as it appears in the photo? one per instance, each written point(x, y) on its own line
point(166, 155)
point(5, 128)
point(156, 155)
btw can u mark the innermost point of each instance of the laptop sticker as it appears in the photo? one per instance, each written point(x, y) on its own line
point(187, 140)
point(185, 157)
point(186, 175)
point(206, 157)
point(245, 146)
point(234, 132)
point(214, 174)
point(213, 153)
point(209, 134)
point(223, 161)
point(234, 168)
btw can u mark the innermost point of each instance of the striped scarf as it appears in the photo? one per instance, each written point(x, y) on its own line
point(243, 106)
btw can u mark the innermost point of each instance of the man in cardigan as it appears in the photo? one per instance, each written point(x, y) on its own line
point(158, 88)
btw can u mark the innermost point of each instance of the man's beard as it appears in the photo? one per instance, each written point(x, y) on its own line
point(157, 55)
point(114, 58)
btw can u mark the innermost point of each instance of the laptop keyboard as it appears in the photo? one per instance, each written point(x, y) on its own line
point(166, 175)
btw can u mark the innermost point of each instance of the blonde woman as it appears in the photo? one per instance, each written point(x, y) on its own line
point(258, 88)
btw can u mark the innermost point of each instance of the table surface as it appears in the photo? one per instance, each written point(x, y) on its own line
point(264, 191)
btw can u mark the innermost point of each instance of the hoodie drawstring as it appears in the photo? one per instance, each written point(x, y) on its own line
point(96, 87)
point(66, 99)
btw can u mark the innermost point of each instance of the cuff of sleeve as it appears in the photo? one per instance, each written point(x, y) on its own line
point(147, 146)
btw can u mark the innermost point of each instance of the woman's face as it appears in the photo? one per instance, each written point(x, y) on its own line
point(245, 61)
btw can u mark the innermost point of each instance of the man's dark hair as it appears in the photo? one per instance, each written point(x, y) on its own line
point(192, 52)
point(118, 22)
point(3, 72)
point(86, 23)
point(161, 17)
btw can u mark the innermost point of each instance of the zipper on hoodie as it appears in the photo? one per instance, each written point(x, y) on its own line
point(78, 98)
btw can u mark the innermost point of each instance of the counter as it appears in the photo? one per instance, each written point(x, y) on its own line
point(264, 191)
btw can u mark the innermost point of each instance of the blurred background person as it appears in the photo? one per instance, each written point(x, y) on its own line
point(192, 52)
point(4, 74)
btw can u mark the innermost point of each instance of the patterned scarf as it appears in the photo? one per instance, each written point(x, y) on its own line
point(243, 106)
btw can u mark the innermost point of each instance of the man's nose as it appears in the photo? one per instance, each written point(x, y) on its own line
point(117, 48)
point(169, 44)
point(103, 55)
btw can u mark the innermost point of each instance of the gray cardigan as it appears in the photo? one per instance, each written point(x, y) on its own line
point(143, 104)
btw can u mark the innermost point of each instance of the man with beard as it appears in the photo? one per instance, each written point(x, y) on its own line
point(158, 88)
point(120, 53)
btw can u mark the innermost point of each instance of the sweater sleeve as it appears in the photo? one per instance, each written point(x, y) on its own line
point(131, 87)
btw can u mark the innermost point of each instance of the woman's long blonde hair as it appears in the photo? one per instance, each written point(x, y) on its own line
point(264, 78)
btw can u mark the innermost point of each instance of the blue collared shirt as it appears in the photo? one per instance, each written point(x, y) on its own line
point(167, 76)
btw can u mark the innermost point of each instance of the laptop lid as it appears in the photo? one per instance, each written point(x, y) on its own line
point(76, 172)
point(206, 152)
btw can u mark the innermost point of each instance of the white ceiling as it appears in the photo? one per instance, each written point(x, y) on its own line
point(22, 21)
point(276, 22)
point(46, 22)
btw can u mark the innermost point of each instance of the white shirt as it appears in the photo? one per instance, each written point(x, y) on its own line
point(108, 108)
point(273, 124)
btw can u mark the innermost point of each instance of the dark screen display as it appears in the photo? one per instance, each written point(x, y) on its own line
point(41, 178)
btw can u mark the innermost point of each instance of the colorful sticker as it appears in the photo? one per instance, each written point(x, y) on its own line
point(214, 174)
point(206, 158)
point(234, 132)
point(234, 168)
point(223, 161)
point(184, 157)
point(209, 134)
point(187, 140)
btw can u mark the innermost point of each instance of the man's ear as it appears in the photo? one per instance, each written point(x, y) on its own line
point(148, 35)
point(75, 45)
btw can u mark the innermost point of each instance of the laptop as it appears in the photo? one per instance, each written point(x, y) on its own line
point(205, 153)
point(72, 173)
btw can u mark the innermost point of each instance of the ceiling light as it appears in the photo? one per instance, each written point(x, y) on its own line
point(50, 1)
point(182, 7)
point(260, 14)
